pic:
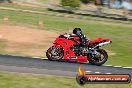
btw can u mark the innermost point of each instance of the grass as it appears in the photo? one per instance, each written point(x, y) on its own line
point(2, 46)
point(120, 34)
point(23, 7)
point(14, 80)
point(49, 1)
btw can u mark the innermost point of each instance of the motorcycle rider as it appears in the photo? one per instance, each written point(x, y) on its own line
point(78, 32)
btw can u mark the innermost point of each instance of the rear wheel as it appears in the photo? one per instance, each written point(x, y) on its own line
point(55, 53)
point(98, 58)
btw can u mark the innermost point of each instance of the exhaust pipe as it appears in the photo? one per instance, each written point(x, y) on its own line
point(104, 43)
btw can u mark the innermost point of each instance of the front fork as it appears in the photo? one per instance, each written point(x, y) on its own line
point(94, 52)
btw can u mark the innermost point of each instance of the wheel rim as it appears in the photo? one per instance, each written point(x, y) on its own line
point(98, 58)
point(55, 53)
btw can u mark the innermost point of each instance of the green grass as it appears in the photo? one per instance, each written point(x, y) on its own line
point(14, 80)
point(120, 34)
point(23, 7)
point(2, 46)
point(49, 1)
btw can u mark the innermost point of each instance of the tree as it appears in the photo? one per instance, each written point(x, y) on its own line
point(99, 2)
point(9, 1)
point(70, 3)
point(86, 1)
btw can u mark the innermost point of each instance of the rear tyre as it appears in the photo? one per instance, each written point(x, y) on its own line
point(100, 59)
point(55, 54)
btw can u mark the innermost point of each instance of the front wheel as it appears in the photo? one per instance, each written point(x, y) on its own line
point(98, 57)
point(55, 53)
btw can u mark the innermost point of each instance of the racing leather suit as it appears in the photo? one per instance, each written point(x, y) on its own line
point(83, 38)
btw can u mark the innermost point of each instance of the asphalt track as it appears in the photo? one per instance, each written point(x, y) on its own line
point(43, 66)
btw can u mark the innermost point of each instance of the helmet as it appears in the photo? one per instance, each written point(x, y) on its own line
point(77, 31)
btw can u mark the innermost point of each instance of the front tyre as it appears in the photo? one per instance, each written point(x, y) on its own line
point(99, 58)
point(55, 53)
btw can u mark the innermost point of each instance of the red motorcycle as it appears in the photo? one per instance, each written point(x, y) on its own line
point(67, 47)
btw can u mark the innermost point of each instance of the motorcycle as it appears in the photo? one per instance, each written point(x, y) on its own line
point(67, 47)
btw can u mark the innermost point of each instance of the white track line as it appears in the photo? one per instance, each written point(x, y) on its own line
point(107, 65)
point(97, 72)
point(88, 71)
point(35, 57)
point(108, 73)
point(117, 66)
point(127, 67)
point(11, 55)
point(43, 58)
